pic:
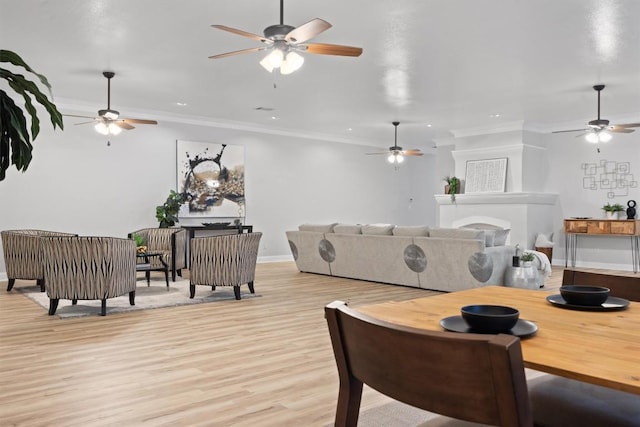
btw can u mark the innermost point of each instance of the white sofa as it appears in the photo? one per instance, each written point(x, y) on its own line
point(443, 259)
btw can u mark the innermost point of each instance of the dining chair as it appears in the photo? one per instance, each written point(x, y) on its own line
point(470, 377)
point(580, 403)
point(224, 260)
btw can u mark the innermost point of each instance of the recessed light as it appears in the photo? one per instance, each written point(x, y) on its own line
point(349, 129)
point(274, 118)
point(428, 126)
point(494, 116)
point(181, 104)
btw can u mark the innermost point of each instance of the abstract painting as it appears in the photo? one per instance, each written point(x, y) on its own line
point(211, 176)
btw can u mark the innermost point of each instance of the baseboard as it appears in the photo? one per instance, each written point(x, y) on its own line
point(3, 276)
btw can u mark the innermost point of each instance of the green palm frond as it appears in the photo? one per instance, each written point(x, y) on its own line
point(15, 139)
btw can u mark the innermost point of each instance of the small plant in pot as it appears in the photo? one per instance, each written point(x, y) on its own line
point(527, 257)
point(140, 246)
point(452, 187)
point(612, 210)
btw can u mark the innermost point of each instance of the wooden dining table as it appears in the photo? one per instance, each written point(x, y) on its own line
point(598, 347)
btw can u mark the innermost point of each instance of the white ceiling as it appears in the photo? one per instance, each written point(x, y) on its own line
point(448, 63)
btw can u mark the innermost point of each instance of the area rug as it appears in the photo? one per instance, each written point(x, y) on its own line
point(147, 297)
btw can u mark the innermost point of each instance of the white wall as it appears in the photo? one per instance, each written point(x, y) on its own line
point(566, 154)
point(76, 183)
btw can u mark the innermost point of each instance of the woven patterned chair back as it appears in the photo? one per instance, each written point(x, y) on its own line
point(228, 260)
point(89, 267)
point(22, 251)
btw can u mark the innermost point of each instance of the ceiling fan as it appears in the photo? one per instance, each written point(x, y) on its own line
point(395, 153)
point(284, 42)
point(109, 121)
point(598, 130)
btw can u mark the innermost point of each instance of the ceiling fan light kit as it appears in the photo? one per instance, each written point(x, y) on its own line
point(395, 154)
point(284, 42)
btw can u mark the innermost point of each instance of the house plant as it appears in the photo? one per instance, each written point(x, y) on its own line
point(15, 140)
point(452, 187)
point(167, 213)
point(611, 211)
point(140, 246)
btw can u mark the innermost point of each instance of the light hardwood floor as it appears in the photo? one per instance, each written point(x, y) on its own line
point(265, 361)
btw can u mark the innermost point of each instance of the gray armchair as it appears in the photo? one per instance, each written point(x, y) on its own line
point(172, 242)
point(228, 260)
point(23, 254)
point(88, 268)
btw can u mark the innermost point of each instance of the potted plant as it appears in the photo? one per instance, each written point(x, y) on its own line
point(527, 257)
point(15, 140)
point(611, 211)
point(167, 213)
point(140, 246)
point(452, 187)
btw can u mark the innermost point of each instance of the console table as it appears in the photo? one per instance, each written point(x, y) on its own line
point(601, 227)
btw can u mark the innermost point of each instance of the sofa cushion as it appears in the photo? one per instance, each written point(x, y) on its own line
point(457, 233)
point(378, 229)
point(348, 228)
point(408, 230)
point(501, 235)
point(320, 228)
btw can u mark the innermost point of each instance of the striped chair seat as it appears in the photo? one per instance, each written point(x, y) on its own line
point(228, 260)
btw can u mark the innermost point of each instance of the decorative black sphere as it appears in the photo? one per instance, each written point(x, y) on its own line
point(631, 210)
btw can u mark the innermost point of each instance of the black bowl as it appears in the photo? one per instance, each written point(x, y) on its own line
point(490, 318)
point(584, 295)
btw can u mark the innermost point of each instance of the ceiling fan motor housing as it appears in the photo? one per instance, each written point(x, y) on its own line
point(278, 32)
point(109, 114)
point(599, 123)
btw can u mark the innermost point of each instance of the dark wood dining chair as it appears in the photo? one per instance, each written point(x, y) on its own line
point(560, 401)
point(471, 377)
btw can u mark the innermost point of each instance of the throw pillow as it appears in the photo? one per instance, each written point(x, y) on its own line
point(348, 229)
point(407, 230)
point(320, 228)
point(457, 233)
point(378, 229)
point(489, 238)
point(500, 238)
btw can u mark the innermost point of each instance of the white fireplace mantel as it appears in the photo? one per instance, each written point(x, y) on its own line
point(526, 214)
point(498, 198)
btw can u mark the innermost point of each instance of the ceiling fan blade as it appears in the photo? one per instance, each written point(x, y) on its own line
point(379, 152)
point(84, 123)
point(242, 33)
point(307, 31)
point(122, 124)
point(572, 130)
point(82, 117)
point(333, 49)
point(140, 121)
point(629, 125)
point(616, 129)
point(414, 152)
point(237, 52)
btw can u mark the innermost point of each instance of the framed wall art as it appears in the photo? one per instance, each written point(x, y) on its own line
point(212, 178)
point(486, 176)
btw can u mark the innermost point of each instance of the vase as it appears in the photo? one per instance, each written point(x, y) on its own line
point(526, 276)
point(611, 215)
point(447, 188)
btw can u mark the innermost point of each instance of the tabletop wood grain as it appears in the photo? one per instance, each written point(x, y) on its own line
point(596, 347)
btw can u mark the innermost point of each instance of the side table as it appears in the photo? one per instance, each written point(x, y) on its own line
point(146, 265)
